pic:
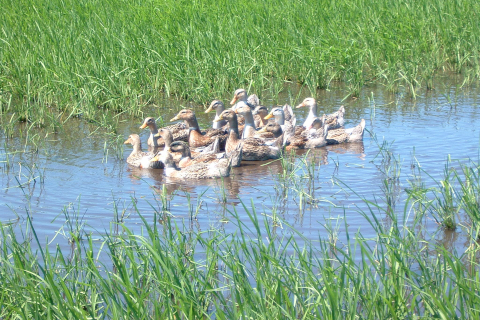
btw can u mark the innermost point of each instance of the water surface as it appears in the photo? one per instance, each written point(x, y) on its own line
point(77, 174)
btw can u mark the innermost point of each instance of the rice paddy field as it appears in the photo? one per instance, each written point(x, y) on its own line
point(383, 229)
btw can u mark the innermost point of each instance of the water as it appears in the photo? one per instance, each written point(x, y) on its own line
point(78, 176)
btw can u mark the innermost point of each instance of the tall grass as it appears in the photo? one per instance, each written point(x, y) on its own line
point(62, 58)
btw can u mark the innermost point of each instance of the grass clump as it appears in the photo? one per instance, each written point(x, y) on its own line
point(62, 58)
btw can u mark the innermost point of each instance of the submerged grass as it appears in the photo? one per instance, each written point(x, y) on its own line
point(61, 59)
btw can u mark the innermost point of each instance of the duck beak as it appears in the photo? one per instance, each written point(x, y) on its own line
point(268, 116)
point(219, 118)
point(264, 129)
point(235, 98)
point(155, 159)
point(143, 126)
point(236, 111)
point(209, 109)
point(128, 141)
point(300, 105)
point(175, 118)
point(157, 135)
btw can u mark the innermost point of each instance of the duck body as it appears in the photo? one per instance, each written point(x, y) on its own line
point(196, 138)
point(253, 149)
point(354, 134)
point(317, 137)
point(335, 120)
point(195, 171)
point(139, 158)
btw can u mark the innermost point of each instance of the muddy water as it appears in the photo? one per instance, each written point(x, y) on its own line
point(78, 176)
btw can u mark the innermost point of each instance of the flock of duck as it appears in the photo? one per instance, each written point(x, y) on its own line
point(246, 131)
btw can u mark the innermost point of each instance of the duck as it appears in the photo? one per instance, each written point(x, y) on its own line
point(240, 95)
point(355, 134)
point(167, 136)
point(187, 159)
point(317, 134)
point(249, 128)
point(337, 136)
point(218, 106)
point(139, 158)
point(288, 127)
point(260, 112)
point(254, 149)
point(275, 134)
point(197, 138)
point(334, 120)
point(212, 170)
point(179, 132)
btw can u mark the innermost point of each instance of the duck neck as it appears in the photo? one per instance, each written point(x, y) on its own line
point(313, 111)
point(193, 124)
point(168, 138)
point(280, 118)
point(153, 131)
point(249, 122)
point(137, 147)
point(263, 122)
point(221, 123)
point(233, 124)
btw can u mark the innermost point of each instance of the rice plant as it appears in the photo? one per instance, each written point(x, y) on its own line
point(84, 59)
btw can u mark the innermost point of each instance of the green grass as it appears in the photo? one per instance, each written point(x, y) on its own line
point(174, 272)
point(61, 58)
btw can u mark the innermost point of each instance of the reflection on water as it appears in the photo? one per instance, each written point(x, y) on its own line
point(71, 170)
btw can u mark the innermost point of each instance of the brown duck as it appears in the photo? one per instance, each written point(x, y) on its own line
point(337, 136)
point(253, 148)
point(179, 132)
point(197, 138)
point(218, 169)
point(139, 158)
point(203, 157)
